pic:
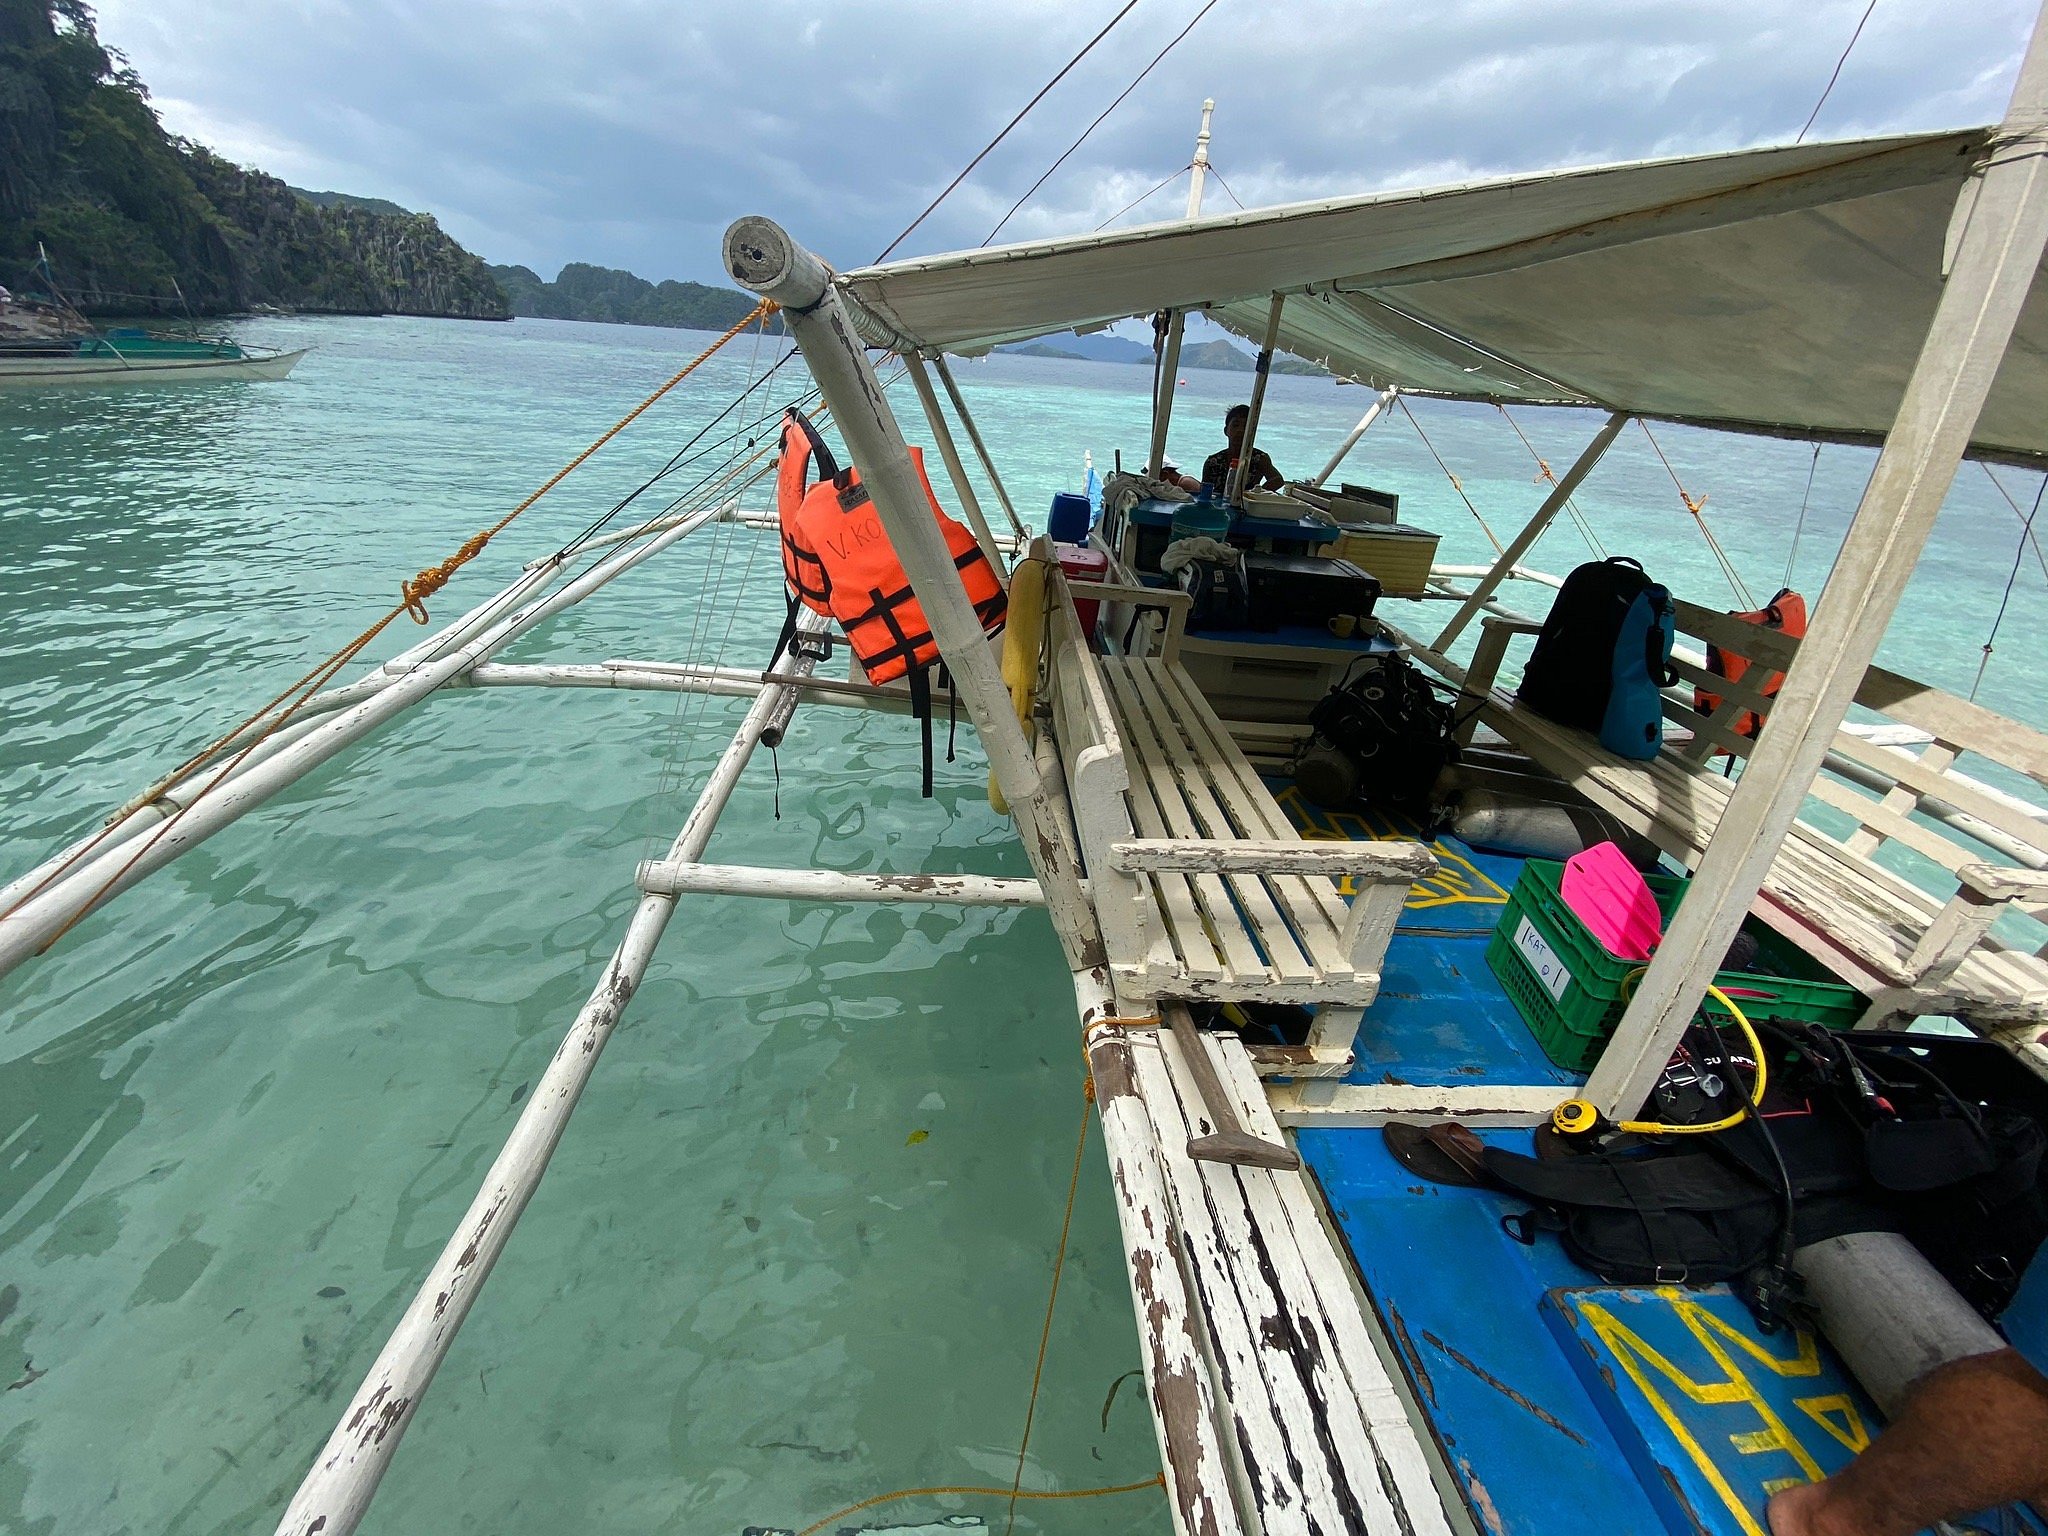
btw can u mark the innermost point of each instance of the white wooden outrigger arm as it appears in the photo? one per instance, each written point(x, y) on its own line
point(108, 870)
point(761, 257)
point(2003, 218)
point(336, 1492)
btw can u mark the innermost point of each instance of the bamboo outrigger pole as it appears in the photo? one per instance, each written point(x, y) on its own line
point(344, 1477)
point(763, 258)
point(1997, 235)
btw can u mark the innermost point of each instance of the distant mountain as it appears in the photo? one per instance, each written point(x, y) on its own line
point(1219, 355)
point(1097, 348)
point(136, 221)
point(350, 200)
point(584, 292)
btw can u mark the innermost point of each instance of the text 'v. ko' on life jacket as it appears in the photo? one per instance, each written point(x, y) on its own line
point(838, 560)
point(1785, 613)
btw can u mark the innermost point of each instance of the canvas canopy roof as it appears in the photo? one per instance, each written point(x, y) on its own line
point(1782, 289)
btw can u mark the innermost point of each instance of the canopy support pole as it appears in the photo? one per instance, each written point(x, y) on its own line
point(988, 464)
point(970, 504)
point(1524, 541)
point(343, 1479)
point(2003, 214)
point(1162, 396)
point(1372, 414)
point(1235, 495)
point(764, 259)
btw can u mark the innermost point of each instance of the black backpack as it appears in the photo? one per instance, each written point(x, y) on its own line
point(1571, 674)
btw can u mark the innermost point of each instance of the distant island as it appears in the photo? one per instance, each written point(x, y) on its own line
point(1219, 354)
point(136, 221)
point(583, 292)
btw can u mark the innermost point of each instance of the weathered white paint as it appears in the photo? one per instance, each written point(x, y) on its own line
point(1350, 1104)
point(670, 877)
point(1183, 1400)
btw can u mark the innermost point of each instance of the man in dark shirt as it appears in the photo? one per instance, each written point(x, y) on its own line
point(1262, 476)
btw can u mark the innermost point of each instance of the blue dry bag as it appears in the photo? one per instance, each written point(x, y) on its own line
point(1633, 725)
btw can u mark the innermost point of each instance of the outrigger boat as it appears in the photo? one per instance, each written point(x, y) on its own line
point(128, 355)
point(1329, 1342)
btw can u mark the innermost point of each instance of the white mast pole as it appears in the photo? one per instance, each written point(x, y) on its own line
point(1169, 362)
point(1372, 414)
point(2004, 228)
point(764, 259)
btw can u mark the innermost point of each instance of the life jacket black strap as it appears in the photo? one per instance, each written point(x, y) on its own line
point(920, 681)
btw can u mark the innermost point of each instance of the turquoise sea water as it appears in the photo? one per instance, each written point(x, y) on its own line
point(242, 1107)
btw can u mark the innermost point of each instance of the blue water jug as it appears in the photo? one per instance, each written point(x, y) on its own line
point(1068, 521)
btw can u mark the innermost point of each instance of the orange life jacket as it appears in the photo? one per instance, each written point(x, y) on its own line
point(838, 560)
point(1787, 613)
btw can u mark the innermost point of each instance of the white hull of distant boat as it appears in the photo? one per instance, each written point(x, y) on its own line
point(29, 372)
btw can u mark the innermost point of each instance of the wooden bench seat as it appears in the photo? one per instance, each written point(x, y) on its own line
point(1910, 950)
point(1203, 888)
point(1322, 1438)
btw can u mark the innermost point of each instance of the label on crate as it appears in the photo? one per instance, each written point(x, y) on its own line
point(1542, 959)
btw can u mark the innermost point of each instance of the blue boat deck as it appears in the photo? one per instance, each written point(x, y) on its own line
point(1560, 1404)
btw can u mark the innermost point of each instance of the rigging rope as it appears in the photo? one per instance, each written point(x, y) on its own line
point(1545, 475)
point(1798, 528)
point(1156, 58)
point(2019, 554)
point(1836, 75)
point(1127, 207)
point(1043, 90)
point(1225, 186)
point(1456, 484)
point(2032, 538)
point(1697, 507)
point(413, 596)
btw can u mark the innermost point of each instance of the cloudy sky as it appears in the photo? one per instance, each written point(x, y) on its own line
point(630, 132)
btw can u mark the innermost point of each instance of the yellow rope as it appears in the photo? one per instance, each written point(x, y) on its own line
point(413, 594)
point(1059, 1264)
point(1456, 484)
point(1156, 1480)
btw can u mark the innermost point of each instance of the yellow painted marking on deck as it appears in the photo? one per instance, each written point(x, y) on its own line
point(1644, 1364)
point(1457, 879)
point(1851, 1430)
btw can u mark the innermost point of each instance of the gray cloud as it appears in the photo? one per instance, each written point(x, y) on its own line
point(629, 132)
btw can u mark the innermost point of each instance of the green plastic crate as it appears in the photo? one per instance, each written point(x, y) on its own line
point(1572, 992)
